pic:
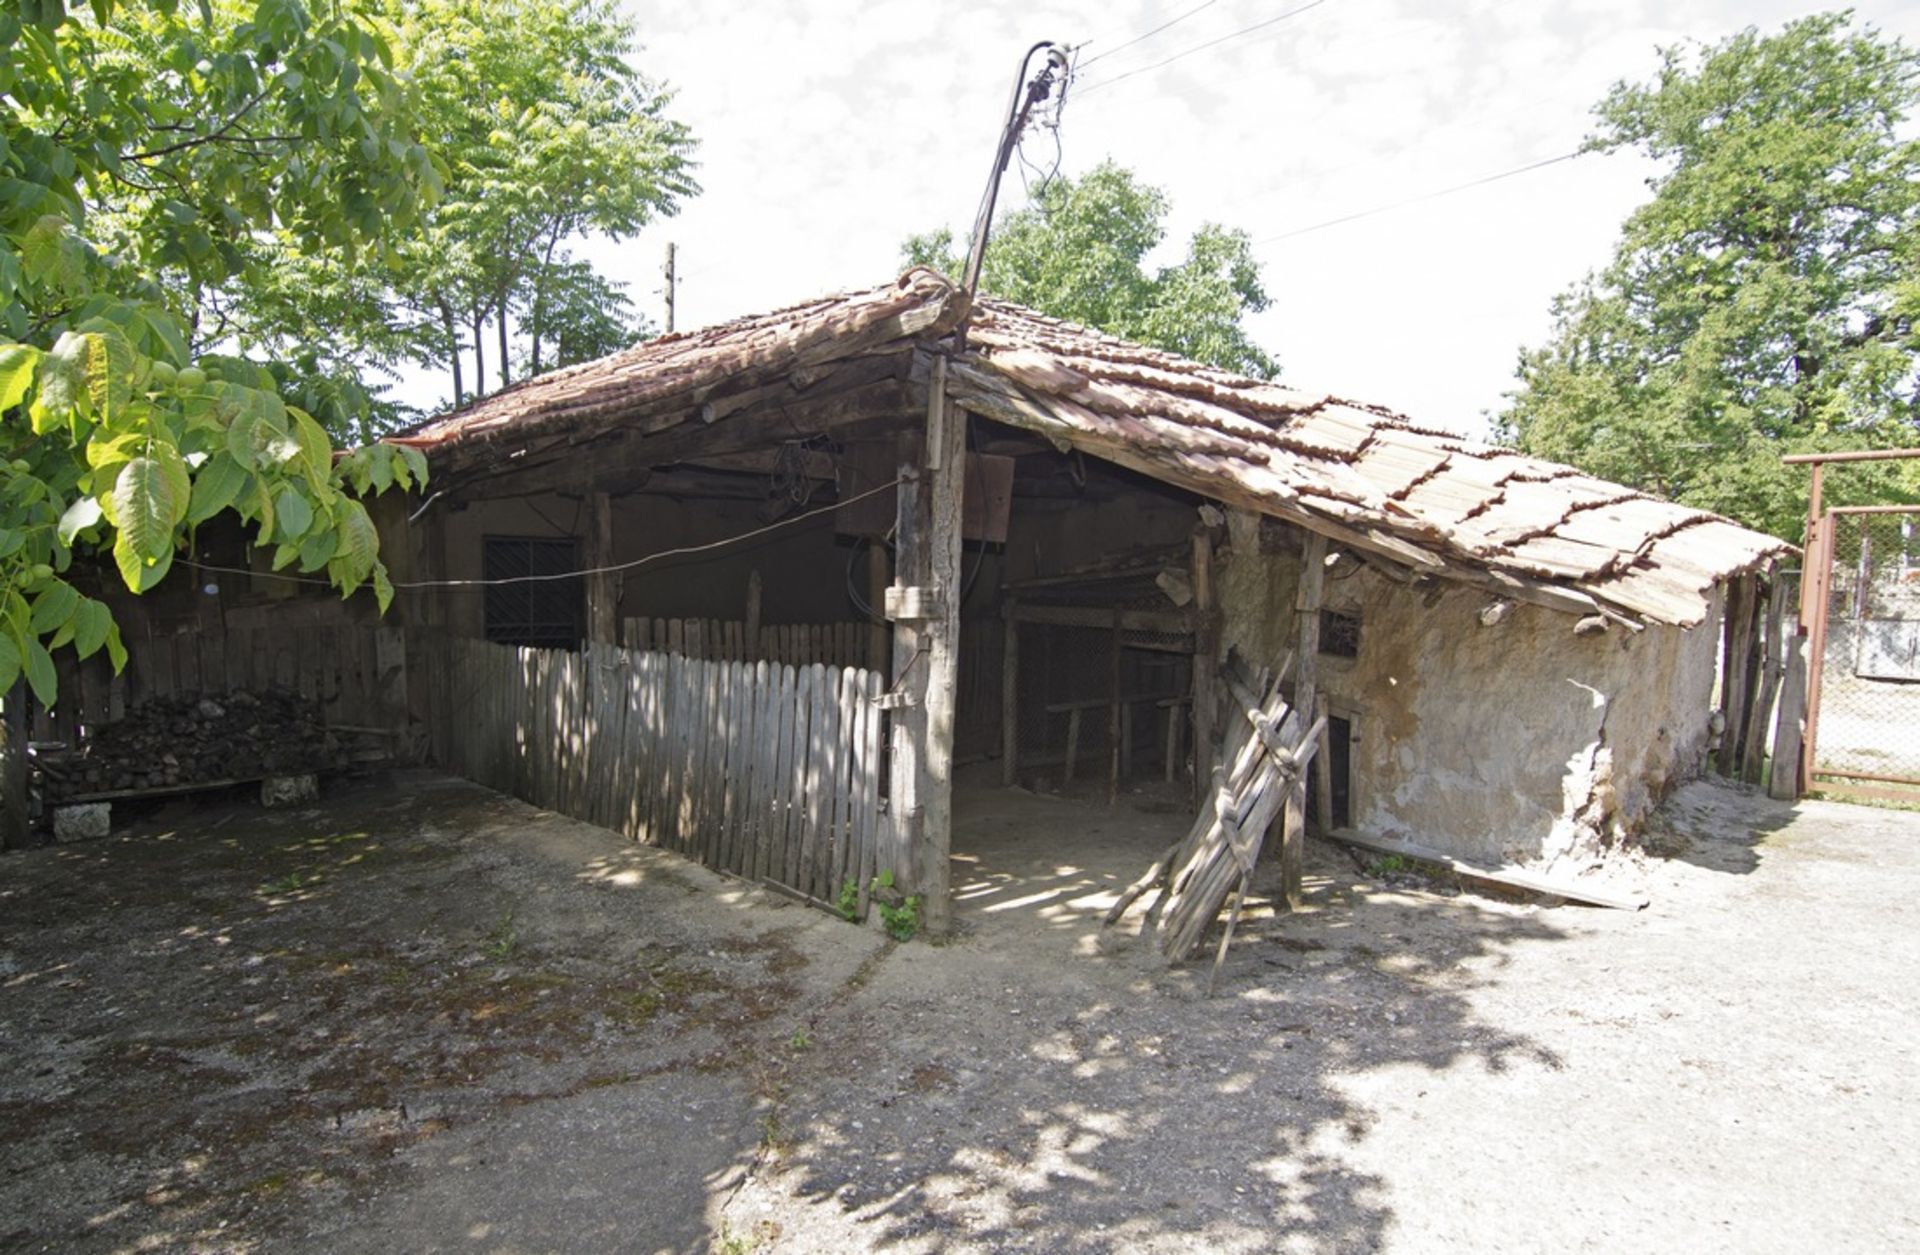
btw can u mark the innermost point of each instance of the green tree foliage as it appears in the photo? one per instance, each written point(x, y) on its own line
point(581, 316)
point(549, 134)
point(145, 151)
point(1763, 302)
point(1079, 253)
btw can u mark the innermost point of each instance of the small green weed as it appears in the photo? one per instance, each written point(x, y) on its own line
point(286, 884)
point(1389, 865)
point(502, 940)
point(801, 1040)
point(902, 921)
point(848, 904)
point(772, 1135)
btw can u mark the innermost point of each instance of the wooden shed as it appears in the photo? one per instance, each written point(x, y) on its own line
point(753, 591)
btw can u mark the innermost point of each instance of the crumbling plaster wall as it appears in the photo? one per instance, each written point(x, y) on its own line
point(1515, 741)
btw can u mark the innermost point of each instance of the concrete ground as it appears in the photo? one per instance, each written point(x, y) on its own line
point(430, 1018)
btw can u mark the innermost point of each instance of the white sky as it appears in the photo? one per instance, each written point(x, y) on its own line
point(830, 131)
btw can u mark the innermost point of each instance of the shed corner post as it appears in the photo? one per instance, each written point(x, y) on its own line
point(946, 455)
point(924, 604)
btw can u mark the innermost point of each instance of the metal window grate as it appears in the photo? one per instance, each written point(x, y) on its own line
point(543, 613)
point(1339, 634)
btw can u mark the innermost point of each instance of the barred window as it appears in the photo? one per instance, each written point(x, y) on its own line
point(542, 612)
point(1339, 634)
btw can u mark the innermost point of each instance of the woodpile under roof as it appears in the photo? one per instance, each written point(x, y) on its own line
point(1416, 501)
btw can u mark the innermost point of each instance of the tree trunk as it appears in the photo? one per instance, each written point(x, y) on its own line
point(503, 338)
point(453, 351)
point(479, 354)
point(536, 321)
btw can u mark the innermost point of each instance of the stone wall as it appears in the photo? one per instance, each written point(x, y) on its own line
point(1515, 741)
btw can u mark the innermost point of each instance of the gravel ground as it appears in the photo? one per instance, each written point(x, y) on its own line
point(429, 1018)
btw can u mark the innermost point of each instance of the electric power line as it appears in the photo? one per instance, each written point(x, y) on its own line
point(1171, 22)
point(1211, 43)
point(681, 552)
point(1421, 199)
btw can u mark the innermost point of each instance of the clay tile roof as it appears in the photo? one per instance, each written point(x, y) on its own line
point(1434, 501)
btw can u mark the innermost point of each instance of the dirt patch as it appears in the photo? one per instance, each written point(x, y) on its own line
point(469, 1025)
point(223, 1024)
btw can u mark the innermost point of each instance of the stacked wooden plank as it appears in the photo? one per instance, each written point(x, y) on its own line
point(356, 674)
point(1267, 751)
point(187, 738)
point(761, 769)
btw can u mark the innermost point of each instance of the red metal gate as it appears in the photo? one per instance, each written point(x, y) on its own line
point(1861, 605)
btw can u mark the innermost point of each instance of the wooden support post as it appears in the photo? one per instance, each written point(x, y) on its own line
point(907, 724)
point(947, 463)
point(603, 589)
point(13, 768)
point(879, 575)
point(1312, 590)
point(1772, 654)
point(1737, 647)
point(1206, 661)
point(926, 592)
point(1113, 715)
point(1010, 700)
point(753, 614)
point(1784, 780)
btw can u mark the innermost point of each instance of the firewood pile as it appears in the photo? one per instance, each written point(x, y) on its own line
point(1267, 752)
point(184, 739)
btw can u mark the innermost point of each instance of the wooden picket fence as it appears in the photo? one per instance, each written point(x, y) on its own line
point(731, 640)
point(760, 769)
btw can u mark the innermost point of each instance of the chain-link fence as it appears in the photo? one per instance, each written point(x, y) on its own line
point(1866, 724)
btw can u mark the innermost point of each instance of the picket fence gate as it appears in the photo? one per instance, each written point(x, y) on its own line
point(764, 770)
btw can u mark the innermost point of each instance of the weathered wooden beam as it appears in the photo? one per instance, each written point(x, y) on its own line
point(1783, 781)
point(1515, 877)
point(614, 462)
point(946, 460)
point(1164, 621)
point(1737, 640)
point(1010, 698)
point(1205, 615)
point(603, 587)
point(1307, 602)
point(811, 463)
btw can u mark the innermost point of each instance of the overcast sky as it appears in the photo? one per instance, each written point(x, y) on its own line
point(830, 131)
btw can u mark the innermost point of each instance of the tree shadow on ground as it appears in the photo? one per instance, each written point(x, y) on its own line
point(1013, 1093)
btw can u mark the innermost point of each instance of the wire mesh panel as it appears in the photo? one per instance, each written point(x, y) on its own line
point(1868, 721)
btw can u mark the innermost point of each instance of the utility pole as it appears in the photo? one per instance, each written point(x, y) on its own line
point(668, 271)
point(924, 600)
